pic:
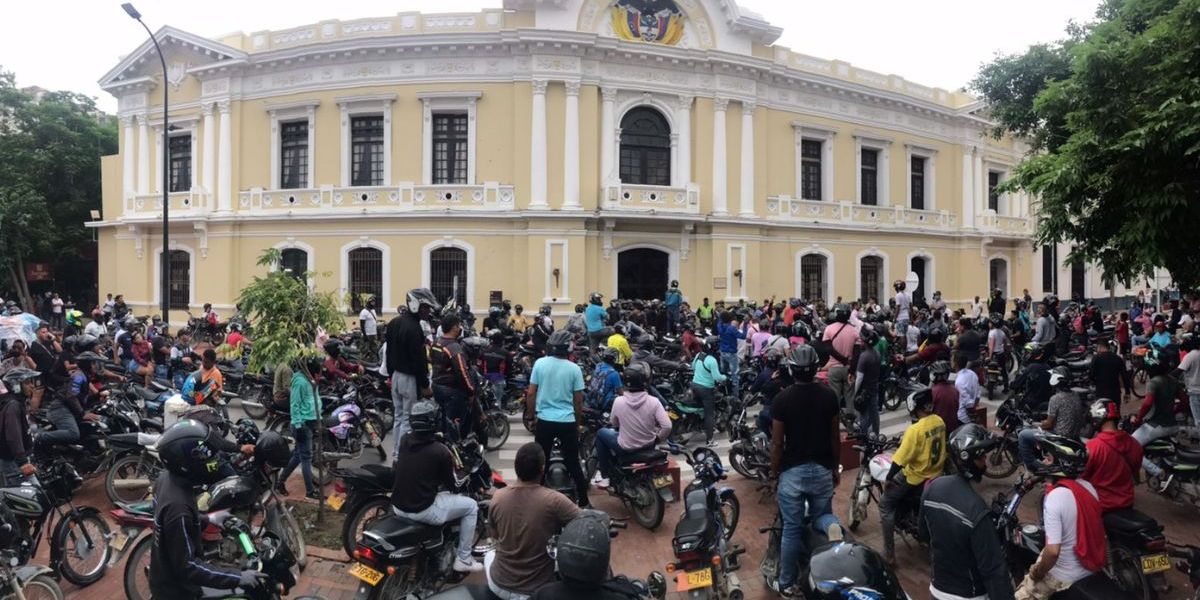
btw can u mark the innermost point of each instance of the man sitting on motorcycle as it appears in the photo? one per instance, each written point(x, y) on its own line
point(424, 469)
point(1034, 378)
point(496, 363)
point(638, 421)
point(967, 560)
point(1156, 417)
point(1065, 416)
point(1075, 543)
point(605, 383)
point(921, 456)
point(935, 348)
point(945, 395)
point(1113, 458)
point(336, 367)
point(582, 554)
point(770, 381)
point(21, 385)
point(68, 409)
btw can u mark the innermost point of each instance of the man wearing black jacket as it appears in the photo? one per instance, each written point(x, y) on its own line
point(22, 385)
point(452, 386)
point(406, 358)
point(1109, 374)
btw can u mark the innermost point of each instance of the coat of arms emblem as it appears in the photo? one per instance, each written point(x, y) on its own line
point(656, 21)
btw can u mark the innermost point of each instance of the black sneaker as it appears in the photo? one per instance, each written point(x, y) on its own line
point(281, 490)
point(313, 495)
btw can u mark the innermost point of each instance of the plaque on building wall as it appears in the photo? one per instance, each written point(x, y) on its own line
point(719, 283)
point(656, 21)
point(495, 297)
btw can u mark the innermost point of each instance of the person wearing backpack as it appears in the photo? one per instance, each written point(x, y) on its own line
point(706, 374)
point(605, 384)
point(839, 340)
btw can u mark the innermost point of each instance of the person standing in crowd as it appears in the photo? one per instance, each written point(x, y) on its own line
point(705, 313)
point(1189, 372)
point(518, 322)
point(620, 344)
point(805, 441)
point(689, 344)
point(866, 382)
point(967, 384)
point(996, 303)
point(673, 300)
point(594, 317)
point(575, 323)
point(1113, 458)
point(945, 395)
point(841, 337)
point(605, 383)
point(452, 384)
point(706, 374)
point(976, 309)
point(368, 322)
point(21, 387)
point(56, 311)
point(554, 406)
point(305, 415)
point(903, 308)
point(729, 334)
point(406, 359)
point(1108, 373)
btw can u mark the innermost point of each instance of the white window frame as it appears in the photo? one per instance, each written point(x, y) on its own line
point(882, 166)
point(829, 274)
point(930, 270)
point(344, 258)
point(884, 275)
point(730, 277)
point(191, 273)
point(310, 255)
point(289, 112)
point(564, 275)
point(365, 106)
point(930, 156)
point(1004, 201)
point(825, 136)
point(450, 242)
point(183, 126)
point(447, 102)
point(1008, 273)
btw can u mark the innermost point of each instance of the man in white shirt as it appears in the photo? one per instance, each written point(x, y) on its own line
point(976, 309)
point(96, 327)
point(967, 384)
point(1189, 368)
point(903, 307)
point(368, 321)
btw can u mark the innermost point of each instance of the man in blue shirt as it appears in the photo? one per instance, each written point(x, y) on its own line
point(554, 406)
point(673, 300)
point(593, 319)
point(606, 382)
point(730, 334)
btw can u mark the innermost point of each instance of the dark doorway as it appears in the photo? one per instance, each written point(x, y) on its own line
point(917, 265)
point(448, 270)
point(1078, 293)
point(642, 274)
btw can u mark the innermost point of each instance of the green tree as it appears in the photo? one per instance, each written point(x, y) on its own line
point(1113, 115)
point(50, 149)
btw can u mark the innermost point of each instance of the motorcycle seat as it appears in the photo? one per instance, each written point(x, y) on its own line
point(1129, 520)
point(146, 394)
point(397, 531)
point(695, 524)
point(383, 475)
point(126, 440)
point(330, 421)
point(153, 424)
point(1188, 455)
point(1080, 365)
point(645, 456)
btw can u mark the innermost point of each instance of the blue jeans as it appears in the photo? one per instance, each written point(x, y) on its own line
point(66, 430)
point(729, 364)
point(1026, 442)
point(449, 507)
point(1194, 400)
point(672, 318)
point(607, 449)
point(868, 417)
point(805, 499)
point(302, 456)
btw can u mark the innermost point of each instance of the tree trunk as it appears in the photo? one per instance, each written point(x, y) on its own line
point(16, 273)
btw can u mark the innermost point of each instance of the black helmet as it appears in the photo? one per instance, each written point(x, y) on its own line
point(495, 312)
point(1104, 410)
point(619, 329)
point(272, 450)
point(418, 297)
point(519, 308)
point(14, 377)
point(545, 310)
point(596, 298)
point(844, 569)
point(967, 444)
point(475, 345)
point(579, 308)
point(607, 355)
point(772, 357)
point(333, 348)
point(712, 344)
point(423, 418)
point(634, 379)
point(899, 285)
point(868, 335)
point(996, 320)
point(583, 549)
point(1067, 457)
point(559, 343)
point(937, 334)
point(645, 339)
point(674, 283)
point(88, 357)
point(1060, 377)
point(802, 362)
point(800, 329)
point(921, 399)
point(495, 335)
point(184, 451)
point(940, 370)
point(840, 313)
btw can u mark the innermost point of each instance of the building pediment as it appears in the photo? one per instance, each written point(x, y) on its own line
point(183, 51)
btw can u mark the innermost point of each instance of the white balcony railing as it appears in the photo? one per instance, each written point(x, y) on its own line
point(181, 203)
point(653, 198)
point(847, 213)
point(1006, 225)
point(405, 197)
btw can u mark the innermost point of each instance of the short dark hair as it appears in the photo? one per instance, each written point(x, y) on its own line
point(450, 322)
point(210, 355)
point(529, 462)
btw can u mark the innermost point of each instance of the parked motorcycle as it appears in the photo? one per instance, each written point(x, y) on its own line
point(875, 463)
point(643, 483)
point(750, 454)
point(1003, 460)
point(1187, 560)
point(29, 582)
point(1180, 479)
point(705, 560)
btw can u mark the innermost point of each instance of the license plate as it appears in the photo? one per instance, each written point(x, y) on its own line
point(693, 580)
point(1155, 563)
point(366, 574)
point(335, 502)
point(118, 542)
point(663, 481)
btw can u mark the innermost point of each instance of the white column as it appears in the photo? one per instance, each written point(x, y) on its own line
point(571, 148)
point(225, 160)
point(158, 160)
point(209, 164)
point(143, 151)
point(968, 189)
point(683, 121)
point(427, 142)
point(719, 166)
point(884, 176)
point(608, 135)
point(981, 199)
point(747, 196)
point(537, 147)
point(127, 168)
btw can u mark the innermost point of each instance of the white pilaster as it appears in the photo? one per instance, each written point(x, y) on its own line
point(683, 120)
point(537, 148)
point(127, 168)
point(571, 148)
point(225, 160)
point(719, 167)
point(747, 196)
point(968, 188)
point(158, 160)
point(143, 152)
point(608, 150)
point(209, 164)
point(980, 189)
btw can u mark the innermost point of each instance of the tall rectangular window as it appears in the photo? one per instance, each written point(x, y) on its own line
point(993, 195)
point(810, 170)
point(366, 276)
point(450, 148)
point(180, 163)
point(917, 181)
point(179, 284)
point(1049, 267)
point(869, 174)
point(293, 155)
point(366, 150)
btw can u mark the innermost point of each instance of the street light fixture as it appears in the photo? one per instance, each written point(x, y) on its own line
point(164, 257)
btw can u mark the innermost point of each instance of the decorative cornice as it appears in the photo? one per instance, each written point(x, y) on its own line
point(609, 94)
point(539, 86)
point(720, 104)
point(683, 102)
point(573, 87)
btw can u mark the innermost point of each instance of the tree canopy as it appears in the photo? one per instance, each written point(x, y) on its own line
point(1112, 113)
point(50, 149)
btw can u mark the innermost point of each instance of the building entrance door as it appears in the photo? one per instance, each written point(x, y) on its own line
point(642, 274)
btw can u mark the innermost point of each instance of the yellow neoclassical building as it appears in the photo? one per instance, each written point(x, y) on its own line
point(546, 149)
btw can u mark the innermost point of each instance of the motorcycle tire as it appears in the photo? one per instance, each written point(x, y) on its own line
point(137, 570)
point(42, 587)
point(856, 509)
point(399, 585)
point(1001, 463)
point(892, 399)
point(260, 410)
point(293, 536)
point(645, 505)
point(731, 512)
point(360, 517)
point(737, 459)
point(70, 542)
point(498, 429)
point(129, 469)
point(1126, 569)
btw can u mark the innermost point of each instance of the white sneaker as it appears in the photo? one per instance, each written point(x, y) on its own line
point(600, 481)
point(467, 566)
point(711, 443)
point(834, 533)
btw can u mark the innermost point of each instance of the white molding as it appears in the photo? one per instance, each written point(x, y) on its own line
point(882, 168)
point(885, 280)
point(548, 296)
point(825, 136)
point(729, 276)
point(447, 102)
point(290, 112)
point(366, 105)
point(188, 128)
point(310, 254)
point(1007, 289)
point(450, 242)
point(628, 101)
point(1004, 204)
point(344, 270)
point(672, 262)
point(929, 282)
point(829, 273)
point(156, 268)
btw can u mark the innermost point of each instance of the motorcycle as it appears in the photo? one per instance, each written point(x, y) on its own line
point(129, 477)
point(203, 331)
point(345, 433)
point(705, 560)
point(641, 480)
point(1187, 560)
point(750, 453)
point(29, 582)
point(874, 465)
point(1003, 459)
point(1180, 479)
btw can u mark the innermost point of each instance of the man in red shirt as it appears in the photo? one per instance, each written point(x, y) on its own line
point(945, 395)
point(690, 344)
point(1113, 457)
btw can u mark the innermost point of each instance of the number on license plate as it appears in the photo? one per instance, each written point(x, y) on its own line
point(1155, 563)
point(118, 542)
point(662, 481)
point(335, 502)
point(692, 580)
point(366, 574)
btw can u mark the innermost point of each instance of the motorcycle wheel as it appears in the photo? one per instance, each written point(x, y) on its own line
point(1127, 571)
point(128, 479)
point(498, 429)
point(293, 536)
point(731, 511)
point(360, 517)
point(644, 504)
point(372, 423)
point(892, 399)
point(856, 511)
point(737, 459)
point(42, 587)
point(399, 585)
point(264, 399)
point(1001, 462)
point(83, 560)
point(137, 570)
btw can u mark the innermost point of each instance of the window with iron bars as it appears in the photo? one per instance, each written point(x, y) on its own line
point(871, 270)
point(448, 275)
point(812, 277)
point(366, 276)
point(869, 174)
point(179, 284)
point(917, 182)
point(810, 170)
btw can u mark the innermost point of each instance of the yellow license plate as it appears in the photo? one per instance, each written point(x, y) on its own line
point(335, 502)
point(1156, 563)
point(119, 541)
point(366, 574)
point(693, 580)
point(663, 481)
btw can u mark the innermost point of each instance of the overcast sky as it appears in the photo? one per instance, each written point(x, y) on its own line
point(70, 44)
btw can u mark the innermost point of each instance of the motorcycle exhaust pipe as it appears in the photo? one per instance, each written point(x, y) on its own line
point(130, 484)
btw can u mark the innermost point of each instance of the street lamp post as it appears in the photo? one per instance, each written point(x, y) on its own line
point(164, 256)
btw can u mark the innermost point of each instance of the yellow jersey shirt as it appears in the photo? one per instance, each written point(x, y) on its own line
point(923, 450)
point(618, 342)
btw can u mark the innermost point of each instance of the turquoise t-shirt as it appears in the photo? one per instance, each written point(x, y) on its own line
point(557, 380)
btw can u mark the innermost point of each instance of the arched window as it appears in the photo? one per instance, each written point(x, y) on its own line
point(870, 277)
point(998, 275)
point(179, 285)
point(294, 262)
point(812, 277)
point(448, 274)
point(366, 276)
point(645, 147)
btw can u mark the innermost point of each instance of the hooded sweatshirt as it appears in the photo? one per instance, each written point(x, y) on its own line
point(1113, 457)
point(641, 419)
